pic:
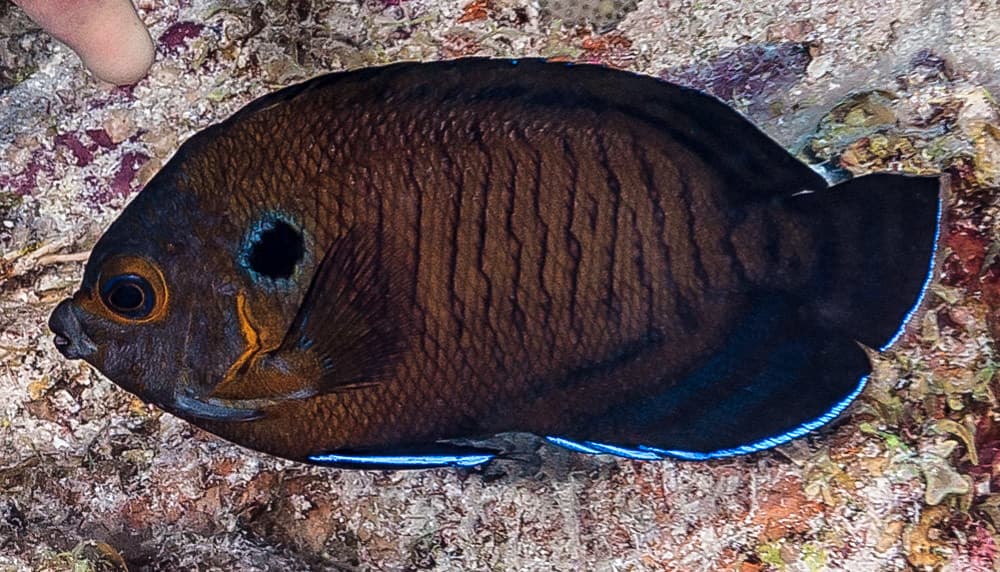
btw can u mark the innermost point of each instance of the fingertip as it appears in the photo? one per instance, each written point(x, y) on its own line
point(108, 35)
point(124, 58)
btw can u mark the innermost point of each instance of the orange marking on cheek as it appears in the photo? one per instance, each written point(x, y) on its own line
point(252, 339)
point(249, 332)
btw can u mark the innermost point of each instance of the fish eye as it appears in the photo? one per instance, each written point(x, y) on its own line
point(131, 289)
point(129, 295)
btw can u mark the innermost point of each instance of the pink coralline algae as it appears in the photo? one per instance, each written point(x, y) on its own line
point(83, 154)
point(983, 551)
point(755, 72)
point(101, 137)
point(121, 184)
point(84, 149)
point(176, 36)
point(24, 182)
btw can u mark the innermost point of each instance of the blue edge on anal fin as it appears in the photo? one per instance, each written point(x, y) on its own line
point(642, 453)
point(646, 453)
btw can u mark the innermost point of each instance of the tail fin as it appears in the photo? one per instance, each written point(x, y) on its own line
point(882, 235)
point(790, 364)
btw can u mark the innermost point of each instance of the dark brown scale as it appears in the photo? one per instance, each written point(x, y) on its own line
point(569, 251)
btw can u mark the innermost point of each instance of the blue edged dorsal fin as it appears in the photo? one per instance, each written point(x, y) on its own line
point(755, 167)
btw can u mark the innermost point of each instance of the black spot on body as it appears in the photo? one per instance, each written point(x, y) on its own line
point(278, 250)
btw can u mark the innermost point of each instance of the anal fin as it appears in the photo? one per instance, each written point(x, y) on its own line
point(778, 376)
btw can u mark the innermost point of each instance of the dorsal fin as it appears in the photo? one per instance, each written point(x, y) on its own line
point(754, 166)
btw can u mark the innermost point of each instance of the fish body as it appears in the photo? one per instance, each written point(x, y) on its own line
point(370, 267)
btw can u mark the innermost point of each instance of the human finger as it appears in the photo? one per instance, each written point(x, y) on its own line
point(107, 35)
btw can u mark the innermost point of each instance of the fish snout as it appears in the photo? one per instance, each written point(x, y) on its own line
point(70, 340)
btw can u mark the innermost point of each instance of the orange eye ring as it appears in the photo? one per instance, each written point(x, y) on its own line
point(131, 290)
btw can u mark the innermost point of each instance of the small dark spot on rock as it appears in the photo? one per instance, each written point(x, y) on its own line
point(520, 16)
point(423, 549)
point(400, 33)
point(925, 66)
point(931, 62)
point(302, 8)
point(13, 516)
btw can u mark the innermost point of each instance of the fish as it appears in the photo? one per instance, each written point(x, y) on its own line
point(389, 267)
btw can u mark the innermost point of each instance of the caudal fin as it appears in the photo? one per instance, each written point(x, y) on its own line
point(879, 235)
point(791, 363)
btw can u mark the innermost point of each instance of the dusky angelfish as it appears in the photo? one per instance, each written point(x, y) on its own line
point(370, 268)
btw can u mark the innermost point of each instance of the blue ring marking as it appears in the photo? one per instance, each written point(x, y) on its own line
point(927, 281)
point(427, 461)
point(647, 453)
point(253, 236)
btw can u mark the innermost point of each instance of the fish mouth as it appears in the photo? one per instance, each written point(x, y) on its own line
point(193, 407)
point(70, 339)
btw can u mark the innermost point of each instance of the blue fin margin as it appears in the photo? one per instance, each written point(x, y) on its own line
point(642, 452)
point(647, 453)
point(400, 461)
point(927, 281)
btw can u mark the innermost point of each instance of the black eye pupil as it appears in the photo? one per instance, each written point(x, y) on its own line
point(126, 297)
point(129, 295)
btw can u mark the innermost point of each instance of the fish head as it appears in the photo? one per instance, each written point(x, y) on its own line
point(171, 297)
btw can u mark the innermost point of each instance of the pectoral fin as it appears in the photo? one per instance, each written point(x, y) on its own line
point(345, 336)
